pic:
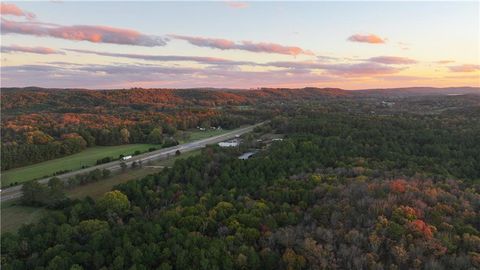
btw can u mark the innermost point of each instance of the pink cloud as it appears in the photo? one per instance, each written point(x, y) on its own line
point(168, 58)
point(464, 68)
point(298, 65)
point(392, 60)
point(362, 69)
point(13, 10)
point(341, 69)
point(225, 44)
point(403, 78)
point(218, 43)
point(37, 50)
point(238, 5)
point(101, 76)
point(272, 48)
point(372, 39)
point(96, 34)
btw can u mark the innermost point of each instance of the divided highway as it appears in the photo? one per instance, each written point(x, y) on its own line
point(16, 191)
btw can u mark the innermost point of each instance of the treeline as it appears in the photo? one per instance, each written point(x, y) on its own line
point(53, 195)
point(16, 155)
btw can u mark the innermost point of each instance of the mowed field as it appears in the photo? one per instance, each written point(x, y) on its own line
point(87, 157)
point(199, 134)
point(14, 215)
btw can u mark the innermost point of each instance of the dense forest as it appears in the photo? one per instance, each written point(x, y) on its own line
point(356, 183)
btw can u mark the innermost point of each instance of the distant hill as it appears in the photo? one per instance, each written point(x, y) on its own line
point(305, 90)
point(35, 97)
point(50, 98)
point(421, 91)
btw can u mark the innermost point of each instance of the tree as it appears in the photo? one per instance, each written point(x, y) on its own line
point(106, 173)
point(55, 193)
point(34, 193)
point(95, 175)
point(91, 226)
point(87, 136)
point(125, 135)
point(73, 145)
point(292, 260)
point(155, 136)
point(55, 184)
point(114, 202)
point(38, 137)
point(169, 142)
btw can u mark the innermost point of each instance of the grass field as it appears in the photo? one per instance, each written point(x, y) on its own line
point(87, 157)
point(97, 189)
point(198, 134)
point(13, 215)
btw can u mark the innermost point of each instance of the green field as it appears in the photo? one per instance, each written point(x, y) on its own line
point(13, 216)
point(87, 157)
point(97, 189)
point(196, 134)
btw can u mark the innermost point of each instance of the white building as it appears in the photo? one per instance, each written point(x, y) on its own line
point(232, 143)
point(246, 156)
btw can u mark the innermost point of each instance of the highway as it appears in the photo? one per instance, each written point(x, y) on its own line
point(15, 192)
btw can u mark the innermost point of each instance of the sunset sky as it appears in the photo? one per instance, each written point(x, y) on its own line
point(350, 45)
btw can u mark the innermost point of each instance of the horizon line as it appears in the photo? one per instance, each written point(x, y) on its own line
point(236, 89)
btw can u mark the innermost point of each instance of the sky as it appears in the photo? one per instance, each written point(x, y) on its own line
point(228, 44)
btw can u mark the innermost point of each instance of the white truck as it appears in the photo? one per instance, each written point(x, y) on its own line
point(126, 157)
